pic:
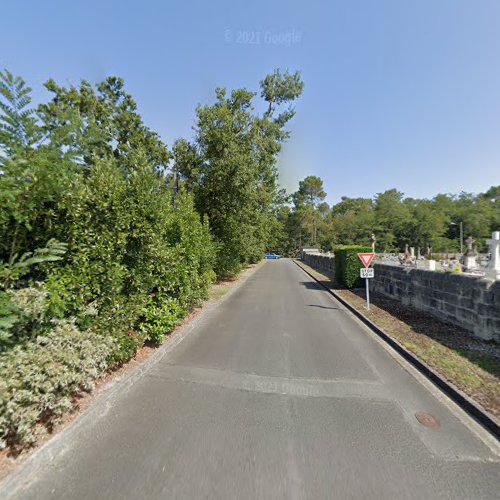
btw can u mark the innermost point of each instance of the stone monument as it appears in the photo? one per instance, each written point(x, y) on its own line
point(493, 267)
point(469, 259)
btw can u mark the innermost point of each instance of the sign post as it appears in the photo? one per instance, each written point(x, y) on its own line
point(367, 273)
point(367, 283)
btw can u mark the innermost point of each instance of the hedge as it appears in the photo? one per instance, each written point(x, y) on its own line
point(348, 264)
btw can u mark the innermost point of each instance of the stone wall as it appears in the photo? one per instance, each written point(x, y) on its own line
point(319, 261)
point(471, 302)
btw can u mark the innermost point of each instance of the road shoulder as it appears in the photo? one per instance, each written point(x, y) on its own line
point(15, 468)
point(441, 362)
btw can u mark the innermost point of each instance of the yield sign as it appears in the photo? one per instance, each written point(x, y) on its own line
point(366, 258)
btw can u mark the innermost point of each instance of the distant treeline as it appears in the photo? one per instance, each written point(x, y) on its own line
point(390, 217)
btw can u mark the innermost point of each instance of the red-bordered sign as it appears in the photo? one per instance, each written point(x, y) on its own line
point(366, 258)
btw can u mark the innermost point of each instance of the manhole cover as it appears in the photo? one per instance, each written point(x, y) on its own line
point(426, 419)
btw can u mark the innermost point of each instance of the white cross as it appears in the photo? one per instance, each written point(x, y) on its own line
point(494, 244)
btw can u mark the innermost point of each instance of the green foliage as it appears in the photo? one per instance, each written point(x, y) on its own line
point(101, 122)
point(393, 219)
point(16, 268)
point(136, 255)
point(161, 317)
point(280, 88)
point(9, 316)
point(348, 264)
point(22, 304)
point(307, 201)
point(231, 168)
point(18, 129)
point(38, 378)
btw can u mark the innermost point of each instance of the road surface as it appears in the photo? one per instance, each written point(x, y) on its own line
point(279, 393)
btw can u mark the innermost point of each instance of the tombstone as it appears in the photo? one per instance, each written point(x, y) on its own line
point(428, 265)
point(429, 251)
point(419, 255)
point(373, 242)
point(409, 256)
point(493, 267)
point(469, 259)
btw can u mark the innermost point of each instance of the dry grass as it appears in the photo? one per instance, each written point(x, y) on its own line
point(470, 364)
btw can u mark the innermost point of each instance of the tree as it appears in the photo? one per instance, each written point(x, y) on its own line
point(101, 123)
point(427, 225)
point(231, 168)
point(353, 221)
point(307, 200)
point(281, 88)
point(18, 125)
point(392, 218)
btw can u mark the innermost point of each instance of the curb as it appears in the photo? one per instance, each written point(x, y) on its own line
point(479, 414)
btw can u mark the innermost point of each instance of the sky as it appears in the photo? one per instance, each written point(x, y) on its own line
point(398, 93)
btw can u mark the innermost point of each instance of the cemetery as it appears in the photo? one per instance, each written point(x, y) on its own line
point(459, 290)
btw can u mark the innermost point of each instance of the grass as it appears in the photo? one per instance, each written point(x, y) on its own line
point(218, 291)
point(469, 363)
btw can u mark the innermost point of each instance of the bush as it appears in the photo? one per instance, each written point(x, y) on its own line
point(128, 256)
point(39, 378)
point(161, 317)
point(348, 264)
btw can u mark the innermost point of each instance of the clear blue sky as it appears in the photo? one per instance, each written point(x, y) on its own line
point(398, 93)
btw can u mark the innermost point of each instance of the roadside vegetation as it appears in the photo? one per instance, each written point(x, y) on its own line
point(109, 237)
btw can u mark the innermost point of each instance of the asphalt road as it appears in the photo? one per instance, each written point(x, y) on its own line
point(277, 393)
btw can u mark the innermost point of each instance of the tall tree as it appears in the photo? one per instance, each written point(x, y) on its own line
point(307, 200)
point(231, 167)
point(101, 123)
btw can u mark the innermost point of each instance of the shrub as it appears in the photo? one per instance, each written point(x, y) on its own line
point(161, 317)
point(38, 378)
point(348, 264)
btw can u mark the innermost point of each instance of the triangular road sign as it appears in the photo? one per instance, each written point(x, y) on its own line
point(366, 258)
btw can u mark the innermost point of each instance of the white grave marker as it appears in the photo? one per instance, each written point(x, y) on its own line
point(493, 267)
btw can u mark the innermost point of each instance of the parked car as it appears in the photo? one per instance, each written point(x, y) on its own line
point(270, 255)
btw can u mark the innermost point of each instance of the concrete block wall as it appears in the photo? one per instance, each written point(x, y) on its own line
point(471, 302)
point(319, 261)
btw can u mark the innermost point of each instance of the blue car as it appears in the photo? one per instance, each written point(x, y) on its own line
point(270, 255)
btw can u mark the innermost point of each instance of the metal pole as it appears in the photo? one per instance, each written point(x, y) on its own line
point(367, 294)
point(461, 237)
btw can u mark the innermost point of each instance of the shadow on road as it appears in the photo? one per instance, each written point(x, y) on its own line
point(311, 285)
point(324, 307)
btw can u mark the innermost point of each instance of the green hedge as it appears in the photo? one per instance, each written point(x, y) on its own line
point(348, 264)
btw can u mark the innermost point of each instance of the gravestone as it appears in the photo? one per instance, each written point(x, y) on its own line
point(469, 259)
point(493, 267)
point(427, 264)
point(409, 256)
